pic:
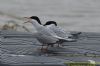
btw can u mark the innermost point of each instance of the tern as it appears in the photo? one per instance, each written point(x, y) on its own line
point(43, 35)
point(52, 25)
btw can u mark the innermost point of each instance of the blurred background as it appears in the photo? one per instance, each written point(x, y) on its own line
point(72, 15)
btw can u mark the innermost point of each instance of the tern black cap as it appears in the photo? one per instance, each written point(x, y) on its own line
point(36, 18)
point(50, 22)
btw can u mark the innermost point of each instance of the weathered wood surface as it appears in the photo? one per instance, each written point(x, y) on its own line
point(24, 50)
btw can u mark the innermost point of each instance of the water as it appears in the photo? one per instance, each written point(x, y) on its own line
point(73, 15)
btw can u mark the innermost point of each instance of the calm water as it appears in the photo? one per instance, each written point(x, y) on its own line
point(77, 15)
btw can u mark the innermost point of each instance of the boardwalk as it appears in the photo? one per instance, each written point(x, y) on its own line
point(26, 50)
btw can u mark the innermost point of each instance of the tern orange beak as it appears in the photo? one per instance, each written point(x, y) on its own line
point(27, 17)
point(27, 21)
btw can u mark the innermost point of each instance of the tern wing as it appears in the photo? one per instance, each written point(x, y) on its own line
point(59, 31)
